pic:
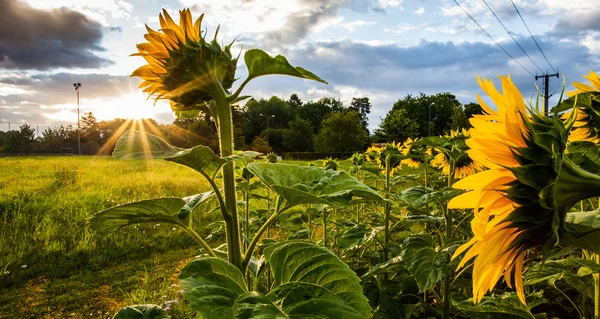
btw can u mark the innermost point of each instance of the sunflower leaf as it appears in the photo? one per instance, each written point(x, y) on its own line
point(500, 306)
point(312, 185)
point(313, 282)
point(582, 229)
point(425, 263)
point(158, 210)
point(142, 312)
point(212, 286)
point(260, 63)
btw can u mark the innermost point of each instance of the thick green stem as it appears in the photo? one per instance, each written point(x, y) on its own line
point(325, 227)
point(448, 275)
point(232, 224)
point(596, 290)
point(247, 229)
point(386, 238)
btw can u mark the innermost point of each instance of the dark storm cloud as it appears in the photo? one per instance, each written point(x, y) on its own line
point(298, 25)
point(37, 39)
point(578, 22)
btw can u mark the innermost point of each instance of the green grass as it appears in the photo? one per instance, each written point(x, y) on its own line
point(53, 266)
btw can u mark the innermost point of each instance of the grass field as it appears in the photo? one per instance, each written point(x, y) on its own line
point(52, 265)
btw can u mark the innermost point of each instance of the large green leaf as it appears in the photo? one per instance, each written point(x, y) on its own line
point(572, 270)
point(425, 263)
point(136, 144)
point(259, 63)
point(191, 202)
point(142, 312)
point(582, 230)
point(419, 196)
point(199, 158)
point(212, 286)
point(500, 306)
point(311, 185)
point(158, 210)
point(311, 281)
point(257, 306)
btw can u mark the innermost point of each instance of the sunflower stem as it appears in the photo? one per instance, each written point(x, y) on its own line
point(596, 290)
point(387, 209)
point(448, 275)
point(225, 123)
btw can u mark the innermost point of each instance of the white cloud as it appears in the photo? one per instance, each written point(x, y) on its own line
point(352, 26)
point(419, 11)
point(92, 8)
point(449, 8)
point(389, 3)
point(402, 27)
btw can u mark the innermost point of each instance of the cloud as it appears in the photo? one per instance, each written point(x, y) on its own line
point(419, 11)
point(577, 22)
point(352, 26)
point(37, 39)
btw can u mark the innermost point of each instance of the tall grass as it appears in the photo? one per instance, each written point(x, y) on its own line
point(52, 265)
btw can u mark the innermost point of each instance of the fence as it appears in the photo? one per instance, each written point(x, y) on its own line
point(311, 156)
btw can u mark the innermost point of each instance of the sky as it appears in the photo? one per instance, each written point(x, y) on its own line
point(381, 49)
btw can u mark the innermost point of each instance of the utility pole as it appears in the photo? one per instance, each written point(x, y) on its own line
point(546, 77)
point(429, 122)
point(268, 118)
point(9, 126)
point(77, 86)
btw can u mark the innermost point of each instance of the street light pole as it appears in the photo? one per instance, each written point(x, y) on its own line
point(268, 118)
point(429, 126)
point(77, 86)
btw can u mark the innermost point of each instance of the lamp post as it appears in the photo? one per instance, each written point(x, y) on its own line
point(77, 86)
point(268, 118)
point(429, 126)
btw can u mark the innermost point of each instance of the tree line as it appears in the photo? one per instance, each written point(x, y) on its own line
point(325, 125)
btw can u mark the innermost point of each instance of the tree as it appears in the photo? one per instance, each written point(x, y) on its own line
point(362, 107)
point(21, 141)
point(472, 109)
point(298, 137)
point(255, 123)
point(438, 121)
point(341, 132)
point(294, 101)
point(396, 126)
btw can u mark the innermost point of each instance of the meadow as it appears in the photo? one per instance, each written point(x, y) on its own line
point(53, 265)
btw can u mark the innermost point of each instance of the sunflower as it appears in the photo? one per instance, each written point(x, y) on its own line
point(182, 66)
point(464, 165)
point(379, 155)
point(408, 148)
point(587, 118)
point(330, 164)
point(512, 200)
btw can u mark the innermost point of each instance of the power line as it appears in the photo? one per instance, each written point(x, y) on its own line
point(513, 38)
point(498, 44)
point(536, 43)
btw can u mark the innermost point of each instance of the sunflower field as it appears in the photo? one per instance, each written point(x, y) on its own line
point(501, 220)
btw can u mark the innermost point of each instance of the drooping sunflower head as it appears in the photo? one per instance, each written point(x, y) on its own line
point(330, 164)
point(358, 159)
point(182, 66)
point(412, 152)
point(587, 118)
point(513, 201)
point(386, 155)
point(455, 153)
